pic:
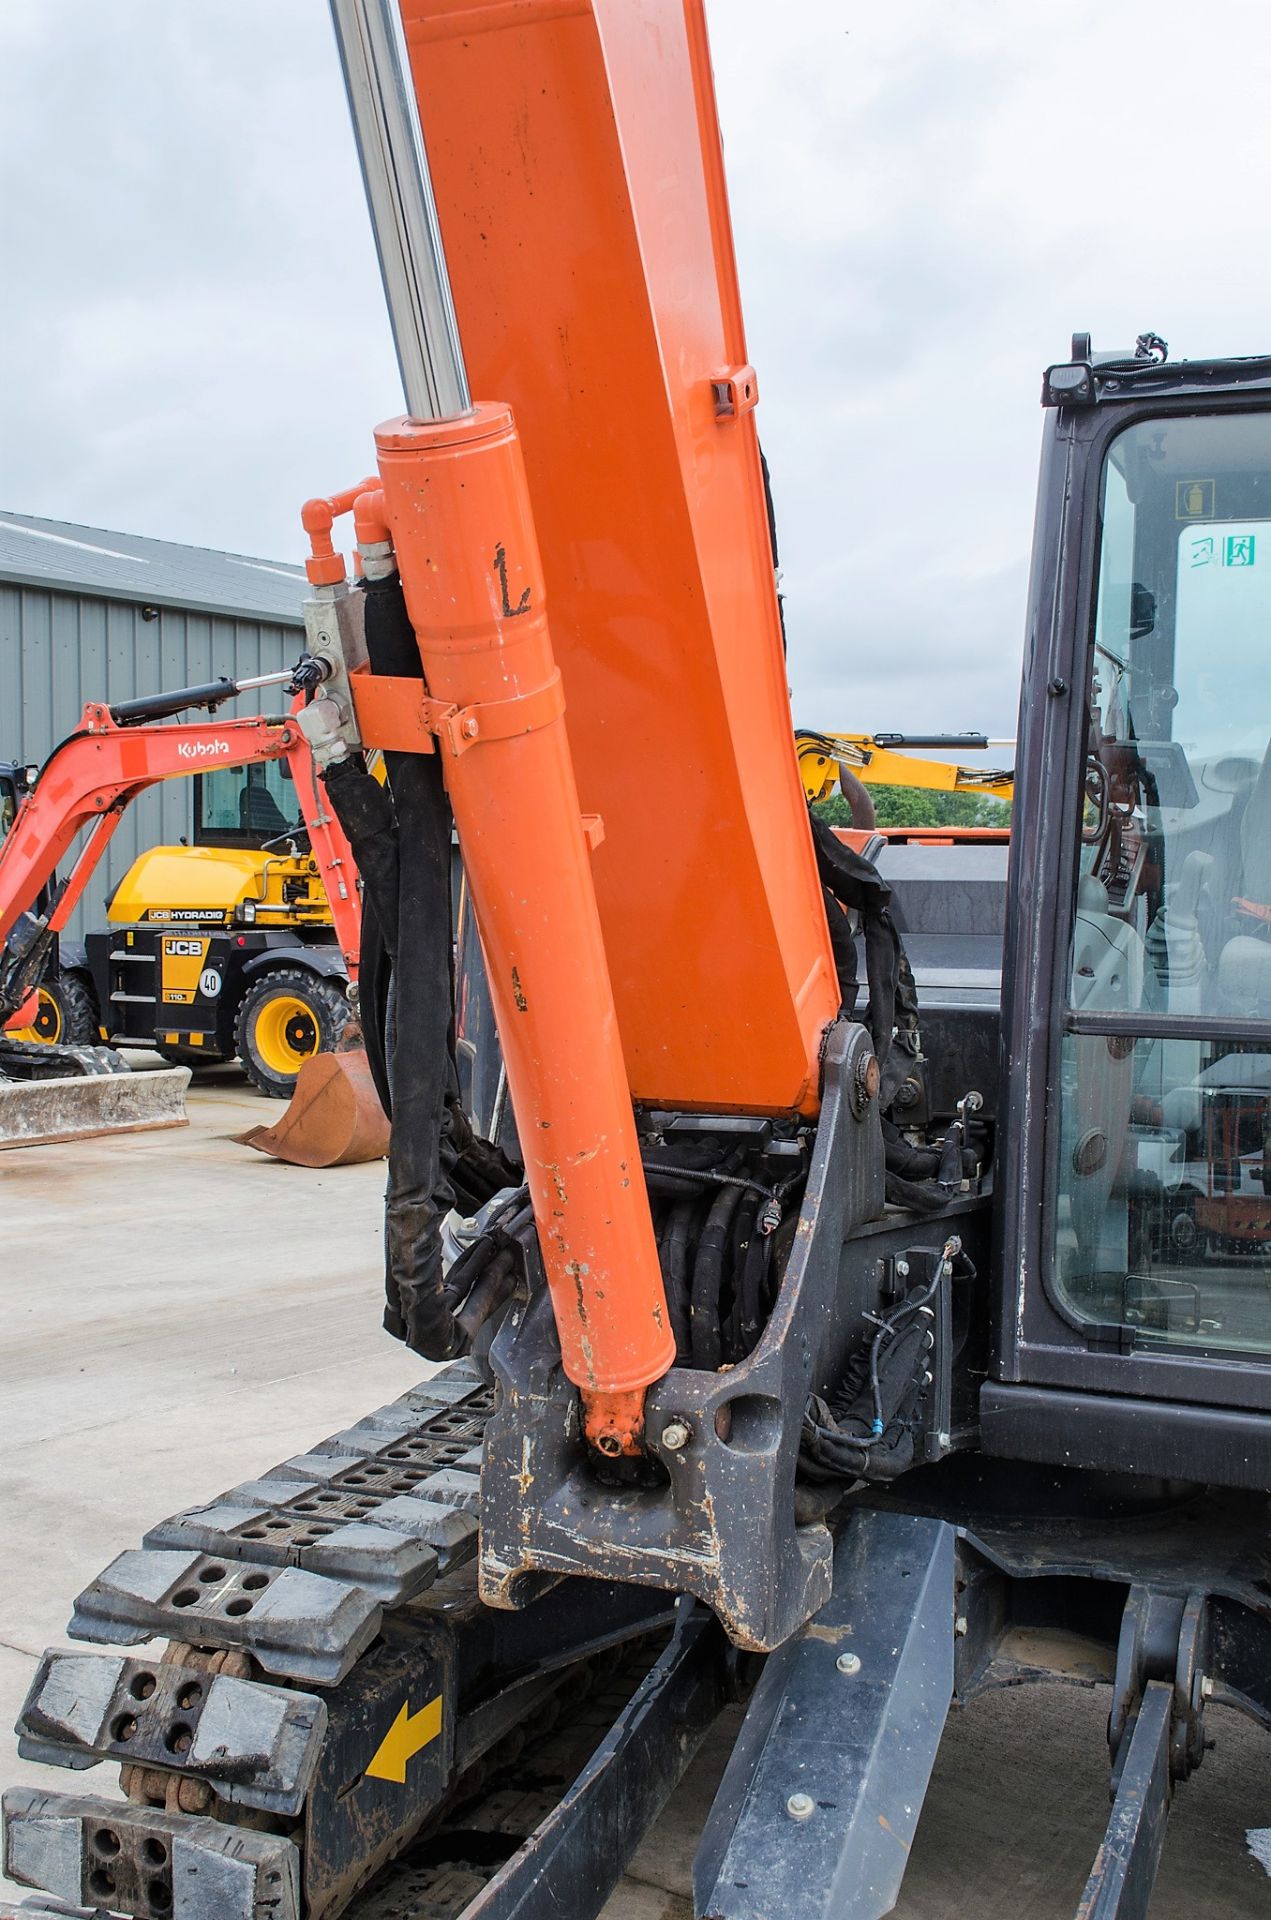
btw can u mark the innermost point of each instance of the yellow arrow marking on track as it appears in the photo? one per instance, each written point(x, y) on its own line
point(409, 1733)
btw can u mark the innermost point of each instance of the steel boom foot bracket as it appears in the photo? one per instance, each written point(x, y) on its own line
point(722, 1527)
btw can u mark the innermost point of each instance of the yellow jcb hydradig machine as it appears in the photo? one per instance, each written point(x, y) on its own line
point(892, 1345)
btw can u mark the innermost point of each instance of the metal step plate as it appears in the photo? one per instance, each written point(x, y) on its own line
point(256, 1745)
point(134, 1860)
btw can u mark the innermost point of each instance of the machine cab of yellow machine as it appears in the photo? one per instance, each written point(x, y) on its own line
point(1138, 979)
point(247, 806)
point(249, 852)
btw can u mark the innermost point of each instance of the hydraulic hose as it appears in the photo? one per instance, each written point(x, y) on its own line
point(708, 1270)
point(364, 809)
point(856, 885)
point(673, 1246)
point(417, 1011)
point(750, 1288)
point(860, 800)
point(400, 835)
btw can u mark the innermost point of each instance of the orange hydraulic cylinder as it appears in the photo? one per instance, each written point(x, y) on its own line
point(458, 511)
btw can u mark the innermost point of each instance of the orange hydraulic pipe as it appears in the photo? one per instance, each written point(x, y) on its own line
point(457, 506)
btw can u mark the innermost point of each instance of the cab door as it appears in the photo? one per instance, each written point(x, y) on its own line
point(1135, 1189)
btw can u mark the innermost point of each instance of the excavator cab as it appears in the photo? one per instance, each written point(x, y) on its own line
point(1138, 982)
point(246, 806)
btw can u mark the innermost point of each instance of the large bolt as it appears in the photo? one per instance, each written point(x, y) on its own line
point(676, 1434)
point(848, 1663)
point(800, 1806)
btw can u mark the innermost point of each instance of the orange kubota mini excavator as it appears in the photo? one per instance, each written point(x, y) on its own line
point(201, 973)
point(904, 1350)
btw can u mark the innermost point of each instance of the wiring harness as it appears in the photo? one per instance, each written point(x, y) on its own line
point(871, 1427)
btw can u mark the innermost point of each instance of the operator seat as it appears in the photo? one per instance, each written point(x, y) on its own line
point(258, 811)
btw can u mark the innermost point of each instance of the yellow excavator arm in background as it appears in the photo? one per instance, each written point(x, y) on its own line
point(878, 761)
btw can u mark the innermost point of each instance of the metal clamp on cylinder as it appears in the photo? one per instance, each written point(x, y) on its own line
point(392, 714)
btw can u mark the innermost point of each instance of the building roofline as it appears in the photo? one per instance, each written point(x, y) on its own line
point(97, 563)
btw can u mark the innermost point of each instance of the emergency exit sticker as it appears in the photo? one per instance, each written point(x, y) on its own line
point(1211, 548)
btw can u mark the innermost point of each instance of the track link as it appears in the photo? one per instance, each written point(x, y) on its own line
point(297, 1566)
point(289, 1578)
point(338, 1725)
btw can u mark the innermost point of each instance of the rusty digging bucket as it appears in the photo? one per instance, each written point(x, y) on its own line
point(333, 1119)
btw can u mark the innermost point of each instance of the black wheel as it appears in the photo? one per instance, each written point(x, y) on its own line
point(286, 1017)
point(66, 1014)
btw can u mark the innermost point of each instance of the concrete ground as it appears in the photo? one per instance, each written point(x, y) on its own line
point(177, 1312)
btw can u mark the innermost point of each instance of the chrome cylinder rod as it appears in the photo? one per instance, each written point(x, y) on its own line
point(403, 213)
point(264, 680)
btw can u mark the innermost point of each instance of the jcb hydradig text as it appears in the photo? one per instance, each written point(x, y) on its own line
point(867, 1344)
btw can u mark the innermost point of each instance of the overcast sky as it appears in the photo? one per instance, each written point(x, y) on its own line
point(929, 196)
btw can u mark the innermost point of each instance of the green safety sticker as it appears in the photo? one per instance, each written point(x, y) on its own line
point(1236, 550)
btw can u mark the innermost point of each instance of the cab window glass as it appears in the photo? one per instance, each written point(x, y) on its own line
point(254, 802)
point(1165, 1188)
point(1176, 835)
point(1163, 1221)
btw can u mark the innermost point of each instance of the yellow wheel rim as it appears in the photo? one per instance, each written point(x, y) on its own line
point(48, 1022)
point(286, 1033)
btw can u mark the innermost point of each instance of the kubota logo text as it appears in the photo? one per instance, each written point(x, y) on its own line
point(201, 749)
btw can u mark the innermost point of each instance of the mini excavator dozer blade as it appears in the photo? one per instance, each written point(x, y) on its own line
point(333, 1119)
point(51, 1093)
